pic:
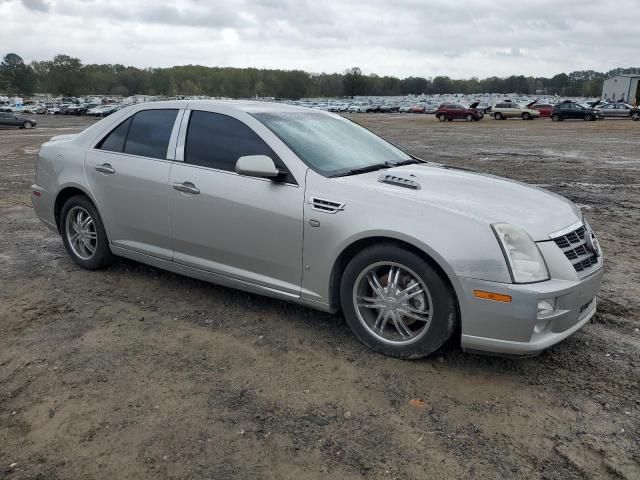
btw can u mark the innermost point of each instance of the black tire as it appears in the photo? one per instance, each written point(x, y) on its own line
point(588, 117)
point(442, 118)
point(526, 116)
point(444, 318)
point(556, 118)
point(635, 116)
point(102, 257)
point(27, 125)
point(498, 116)
point(449, 119)
point(469, 118)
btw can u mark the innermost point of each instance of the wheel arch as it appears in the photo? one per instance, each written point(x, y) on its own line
point(352, 249)
point(65, 194)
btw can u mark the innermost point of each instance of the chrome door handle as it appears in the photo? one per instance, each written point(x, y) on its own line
point(105, 168)
point(186, 187)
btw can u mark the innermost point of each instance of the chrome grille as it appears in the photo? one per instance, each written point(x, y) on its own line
point(574, 246)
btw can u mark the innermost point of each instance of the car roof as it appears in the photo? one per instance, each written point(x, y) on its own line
point(249, 106)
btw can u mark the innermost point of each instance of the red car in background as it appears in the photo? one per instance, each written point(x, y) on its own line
point(545, 109)
point(418, 109)
point(452, 111)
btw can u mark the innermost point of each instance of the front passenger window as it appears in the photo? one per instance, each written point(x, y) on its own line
point(217, 141)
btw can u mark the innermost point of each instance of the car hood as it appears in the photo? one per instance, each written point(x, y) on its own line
point(482, 197)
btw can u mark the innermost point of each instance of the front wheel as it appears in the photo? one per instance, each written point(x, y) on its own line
point(635, 116)
point(442, 118)
point(396, 303)
point(526, 116)
point(555, 117)
point(498, 116)
point(588, 117)
point(469, 118)
point(83, 234)
point(27, 125)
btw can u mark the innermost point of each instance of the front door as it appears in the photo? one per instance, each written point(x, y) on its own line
point(128, 174)
point(245, 228)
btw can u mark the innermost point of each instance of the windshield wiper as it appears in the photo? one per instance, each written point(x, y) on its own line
point(365, 169)
point(411, 161)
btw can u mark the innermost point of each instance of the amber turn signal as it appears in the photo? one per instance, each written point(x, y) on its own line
point(497, 297)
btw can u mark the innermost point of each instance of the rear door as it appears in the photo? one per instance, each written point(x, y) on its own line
point(128, 173)
point(241, 227)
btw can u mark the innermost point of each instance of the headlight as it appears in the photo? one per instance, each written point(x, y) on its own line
point(522, 254)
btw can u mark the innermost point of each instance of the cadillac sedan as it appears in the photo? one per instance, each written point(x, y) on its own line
point(307, 206)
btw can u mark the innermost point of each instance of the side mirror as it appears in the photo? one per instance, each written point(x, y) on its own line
point(260, 166)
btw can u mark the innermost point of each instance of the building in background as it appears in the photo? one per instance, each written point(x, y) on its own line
point(621, 88)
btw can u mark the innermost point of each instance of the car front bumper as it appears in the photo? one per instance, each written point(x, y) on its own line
point(516, 328)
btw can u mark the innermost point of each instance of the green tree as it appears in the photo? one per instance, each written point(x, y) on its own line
point(15, 76)
point(65, 75)
point(353, 82)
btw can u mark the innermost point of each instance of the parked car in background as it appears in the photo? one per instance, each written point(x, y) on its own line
point(615, 110)
point(13, 120)
point(502, 111)
point(572, 110)
point(544, 109)
point(418, 109)
point(455, 111)
point(359, 108)
point(505, 267)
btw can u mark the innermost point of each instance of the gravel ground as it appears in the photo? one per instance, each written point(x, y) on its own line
point(133, 372)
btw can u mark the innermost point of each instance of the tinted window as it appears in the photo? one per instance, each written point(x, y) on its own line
point(217, 141)
point(114, 142)
point(150, 132)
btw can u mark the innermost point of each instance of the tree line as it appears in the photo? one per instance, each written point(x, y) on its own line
point(68, 76)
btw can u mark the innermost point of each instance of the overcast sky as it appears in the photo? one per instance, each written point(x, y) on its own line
point(396, 37)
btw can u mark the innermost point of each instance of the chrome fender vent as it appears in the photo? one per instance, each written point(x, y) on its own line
point(326, 206)
point(399, 181)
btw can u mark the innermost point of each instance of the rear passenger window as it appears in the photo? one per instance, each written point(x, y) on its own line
point(147, 134)
point(114, 142)
point(150, 132)
point(217, 141)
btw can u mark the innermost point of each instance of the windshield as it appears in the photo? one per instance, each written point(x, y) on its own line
point(329, 145)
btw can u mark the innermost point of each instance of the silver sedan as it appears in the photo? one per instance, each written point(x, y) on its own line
point(307, 206)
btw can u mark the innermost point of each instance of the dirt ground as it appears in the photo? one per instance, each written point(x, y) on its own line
point(133, 372)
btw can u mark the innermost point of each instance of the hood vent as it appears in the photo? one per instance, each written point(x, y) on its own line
point(399, 181)
point(326, 206)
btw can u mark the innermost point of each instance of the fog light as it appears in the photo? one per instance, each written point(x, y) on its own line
point(546, 306)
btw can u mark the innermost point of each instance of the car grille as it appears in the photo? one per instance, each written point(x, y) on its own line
point(574, 246)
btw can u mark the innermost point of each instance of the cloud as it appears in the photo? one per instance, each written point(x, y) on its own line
point(402, 37)
point(36, 5)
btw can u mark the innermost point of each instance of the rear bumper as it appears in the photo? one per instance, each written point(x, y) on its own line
point(42, 201)
point(515, 328)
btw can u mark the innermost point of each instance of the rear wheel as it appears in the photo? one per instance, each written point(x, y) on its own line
point(27, 125)
point(83, 234)
point(396, 303)
point(526, 116)
point(556, 118)
point(588, 117)
point(497, 116)
point(442, 118)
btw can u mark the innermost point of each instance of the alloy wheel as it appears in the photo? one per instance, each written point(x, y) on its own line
point(392, 303)
point(81, 233)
